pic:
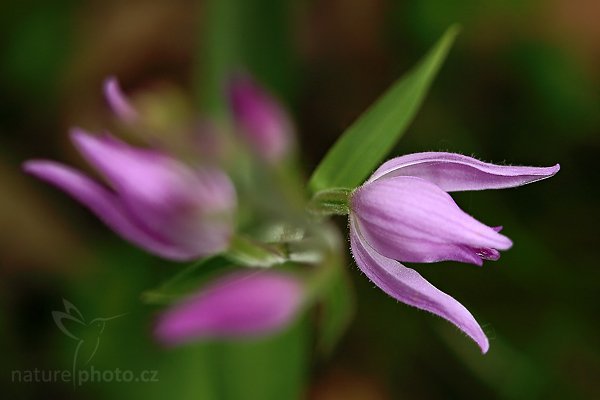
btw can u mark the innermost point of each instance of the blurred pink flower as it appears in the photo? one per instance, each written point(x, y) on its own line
point(155, 201)
point(245, 303)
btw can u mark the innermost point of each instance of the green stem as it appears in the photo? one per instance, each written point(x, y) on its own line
point(246, 252)
point(327, 202)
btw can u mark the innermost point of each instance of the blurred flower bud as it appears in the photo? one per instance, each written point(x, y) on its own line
point(261, 119)
point(245, 303)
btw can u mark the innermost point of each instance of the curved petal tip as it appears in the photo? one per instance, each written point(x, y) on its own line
point(408, 286)
point(118, 102)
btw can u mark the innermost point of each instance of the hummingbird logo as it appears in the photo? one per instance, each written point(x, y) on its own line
point(87, 334)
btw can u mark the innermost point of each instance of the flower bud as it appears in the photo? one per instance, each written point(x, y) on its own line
point(261, 119)
point(247, 303)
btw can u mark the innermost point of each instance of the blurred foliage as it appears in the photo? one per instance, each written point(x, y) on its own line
point(521, 86)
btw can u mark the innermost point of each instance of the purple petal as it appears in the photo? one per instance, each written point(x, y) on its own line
point(193, 209)
point(103, 203)
point(144, 175)
point(247, 303)
point(455, 172)
point(262, 120)
point(151, 178)
point(118, 102)
point(410, 219)
point(406, 285)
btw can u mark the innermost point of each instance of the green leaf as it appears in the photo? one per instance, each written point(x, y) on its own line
point(269, 368)
point(337, 311)
point(364, 144)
